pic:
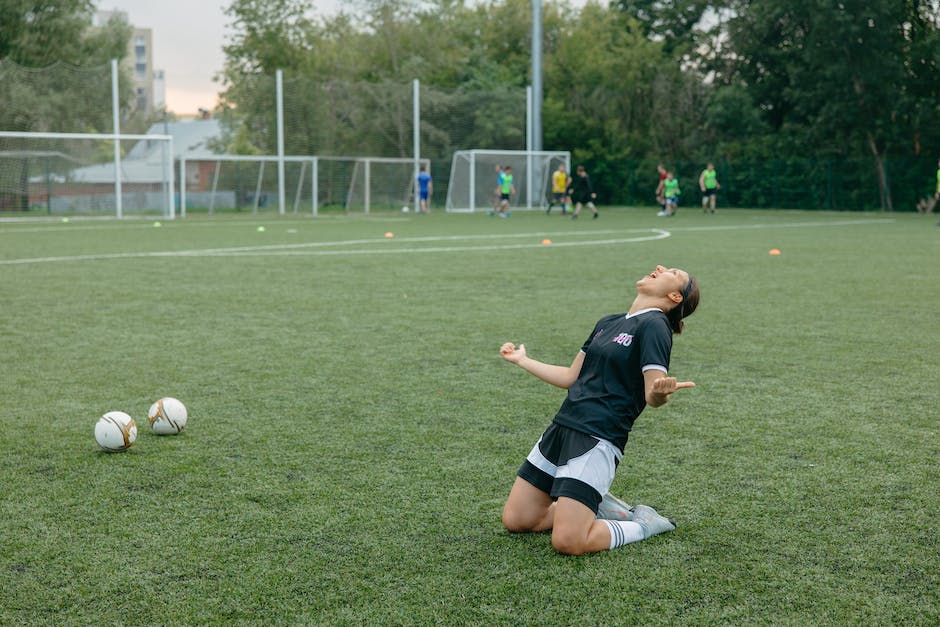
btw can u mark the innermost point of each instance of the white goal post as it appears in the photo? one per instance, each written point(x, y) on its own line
point(86, 174)
point(473, 181)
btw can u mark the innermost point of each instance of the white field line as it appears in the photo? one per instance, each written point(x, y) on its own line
point(137, 223)
point(276, 249)
point(658, 234)
point(381, 245)
point(793, 225)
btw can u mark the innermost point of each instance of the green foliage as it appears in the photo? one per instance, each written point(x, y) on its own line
point(837, 73)
point(73, 92)
point(793, 81)
point(353, 432)
point(672, 21)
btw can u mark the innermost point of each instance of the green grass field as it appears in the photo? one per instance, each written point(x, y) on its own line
point(353, 431)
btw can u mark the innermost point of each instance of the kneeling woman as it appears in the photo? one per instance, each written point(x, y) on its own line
point(621, 368)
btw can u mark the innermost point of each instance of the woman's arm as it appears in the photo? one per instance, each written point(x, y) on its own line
point(659, 387)
point(560, 376)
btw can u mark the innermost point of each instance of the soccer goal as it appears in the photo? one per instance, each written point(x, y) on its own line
point(312, 183)
point(473, 177)
point(65, 174)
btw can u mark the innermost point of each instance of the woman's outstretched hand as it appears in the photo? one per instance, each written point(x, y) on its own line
point(511, 353)
point(668, 385)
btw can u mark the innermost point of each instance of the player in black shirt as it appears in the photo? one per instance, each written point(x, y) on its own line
point(621, 368)
point(581, 193)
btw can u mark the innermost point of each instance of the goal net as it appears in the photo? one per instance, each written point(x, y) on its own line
point(473, 177)
point(382, 184)
point(249, 183)
point(67, 174)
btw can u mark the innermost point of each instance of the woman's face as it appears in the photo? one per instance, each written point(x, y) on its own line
point(661, 281)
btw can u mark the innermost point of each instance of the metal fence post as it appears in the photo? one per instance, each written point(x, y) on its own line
point(281, 183)
point(116, 116)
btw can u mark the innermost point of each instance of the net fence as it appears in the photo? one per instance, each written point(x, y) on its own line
point(59, 98)
point(352, 119)
point(75, 174)
point(347, 118)
point(808, 184)
point(312, 184)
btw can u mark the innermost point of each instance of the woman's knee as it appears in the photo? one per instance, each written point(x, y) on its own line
point(568, 543)
point(514, 521)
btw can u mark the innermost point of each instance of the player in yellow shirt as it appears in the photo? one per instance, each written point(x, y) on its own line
point(560, 182)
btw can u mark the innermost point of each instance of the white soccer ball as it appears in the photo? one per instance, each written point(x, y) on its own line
point(115, 431)
point(167, 416)
point(405, 209)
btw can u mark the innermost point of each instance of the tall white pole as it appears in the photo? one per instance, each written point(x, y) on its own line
point(529, 143)
point(473, 180)
point(315, 185)
point(537, 74)
point(116, 115)
point(172, 191)
point(367, 170)
point(416, 136)
point(281, 193)
point(182, 185)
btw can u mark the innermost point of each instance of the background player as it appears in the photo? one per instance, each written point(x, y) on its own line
point(582, 193)
point(560, 183)
point(506, 191)
point(425, 187)
point(708, 183)
point(671, 193)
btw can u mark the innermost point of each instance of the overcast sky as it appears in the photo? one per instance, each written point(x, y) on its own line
point(188, 36)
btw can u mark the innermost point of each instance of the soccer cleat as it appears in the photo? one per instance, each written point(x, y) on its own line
point(662, 214)
point(596, 215)
point(651, 522)
point(574, 216)
point(612, 508)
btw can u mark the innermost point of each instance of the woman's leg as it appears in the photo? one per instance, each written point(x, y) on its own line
point(527, 508)
point(576, 531)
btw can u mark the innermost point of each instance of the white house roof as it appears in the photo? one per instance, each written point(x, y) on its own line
point(145, 161)
point(191, 139)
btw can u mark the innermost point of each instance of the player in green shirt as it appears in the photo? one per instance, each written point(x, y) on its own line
point(671, 193)
point(708, 183)
point(506, 191)
point(936, 195)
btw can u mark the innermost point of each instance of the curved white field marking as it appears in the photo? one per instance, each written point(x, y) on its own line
point(12, 226)
point(382, 244)
point(657, 234)
point(382, 241)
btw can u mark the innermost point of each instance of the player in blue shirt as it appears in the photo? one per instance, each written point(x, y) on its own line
point(621, 368)
point(425, 187)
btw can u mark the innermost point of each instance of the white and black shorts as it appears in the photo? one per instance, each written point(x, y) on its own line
point(565, 462)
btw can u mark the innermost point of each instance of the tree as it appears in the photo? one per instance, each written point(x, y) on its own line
point(839, 74)
point(57, 37)
point(616, 97)
point(673, 22)
point(54, 76)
